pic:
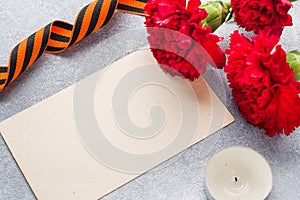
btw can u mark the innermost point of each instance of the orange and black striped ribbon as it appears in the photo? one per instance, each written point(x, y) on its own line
point(59, 35)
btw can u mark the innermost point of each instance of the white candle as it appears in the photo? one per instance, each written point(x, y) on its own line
point(238, 173)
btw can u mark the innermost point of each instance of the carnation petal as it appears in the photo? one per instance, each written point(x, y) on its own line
point(179, 42)
point(263, 84)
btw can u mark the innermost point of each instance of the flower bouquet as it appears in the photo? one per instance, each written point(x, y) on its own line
point(263, 76)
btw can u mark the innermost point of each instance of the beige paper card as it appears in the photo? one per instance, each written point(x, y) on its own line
point(110, 128)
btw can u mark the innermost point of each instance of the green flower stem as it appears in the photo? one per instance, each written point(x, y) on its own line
point(218, 13)
point(293, 58)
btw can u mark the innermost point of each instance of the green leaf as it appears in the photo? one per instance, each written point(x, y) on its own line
point(293, 58)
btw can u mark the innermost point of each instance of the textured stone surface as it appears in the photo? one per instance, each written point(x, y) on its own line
point(181, 177)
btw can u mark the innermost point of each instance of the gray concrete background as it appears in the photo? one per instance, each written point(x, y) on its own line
point(181, 177)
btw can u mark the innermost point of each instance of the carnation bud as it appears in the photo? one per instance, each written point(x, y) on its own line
point(293, 58)
point(218, 13)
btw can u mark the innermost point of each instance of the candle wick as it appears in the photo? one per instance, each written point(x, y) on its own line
point(236, 179)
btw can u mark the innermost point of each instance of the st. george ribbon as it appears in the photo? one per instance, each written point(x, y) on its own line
point(57, 36)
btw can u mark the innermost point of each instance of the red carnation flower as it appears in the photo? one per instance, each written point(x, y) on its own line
point(255, 15)
point(263, 84)
point(178, 41)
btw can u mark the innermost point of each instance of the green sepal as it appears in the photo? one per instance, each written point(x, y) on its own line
point(293, 58)
point(218, 13)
